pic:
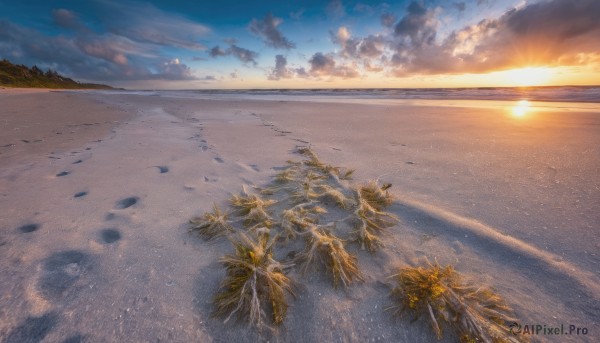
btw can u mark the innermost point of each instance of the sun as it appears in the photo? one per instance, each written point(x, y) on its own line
point(521, 109)
point(530, 76)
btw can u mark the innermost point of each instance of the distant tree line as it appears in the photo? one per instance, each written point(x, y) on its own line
point(18, 75)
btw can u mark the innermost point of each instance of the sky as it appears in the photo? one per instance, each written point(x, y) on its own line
point(177, 44)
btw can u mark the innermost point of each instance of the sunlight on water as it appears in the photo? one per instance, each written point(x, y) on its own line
point(521, 108)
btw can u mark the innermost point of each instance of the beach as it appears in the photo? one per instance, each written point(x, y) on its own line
point(97, 189)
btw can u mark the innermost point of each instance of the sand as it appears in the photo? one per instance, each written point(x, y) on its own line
point(512, 203)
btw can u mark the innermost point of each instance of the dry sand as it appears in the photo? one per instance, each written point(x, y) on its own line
point(513, 203)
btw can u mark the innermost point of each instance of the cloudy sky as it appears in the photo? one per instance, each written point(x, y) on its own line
point(307, 44)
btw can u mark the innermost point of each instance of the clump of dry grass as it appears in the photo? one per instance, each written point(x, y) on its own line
point(376, 196)
point(327, 169)
point(371, 220)
point(288, 175)
point(304, 190)
point(212, 225)
point(300, 217)
point(324, 248)
point(255, 284)
point(329, 193)
point(311, 180)
point(252, 209)
point(475, 314)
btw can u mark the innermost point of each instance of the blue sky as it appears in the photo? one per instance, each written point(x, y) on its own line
point(273, 44)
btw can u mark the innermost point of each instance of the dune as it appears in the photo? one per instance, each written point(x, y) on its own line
point(98, 189)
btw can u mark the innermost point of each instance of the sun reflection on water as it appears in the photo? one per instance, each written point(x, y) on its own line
point(520, 109)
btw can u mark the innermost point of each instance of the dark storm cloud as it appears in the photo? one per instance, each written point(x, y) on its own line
point(266, 28)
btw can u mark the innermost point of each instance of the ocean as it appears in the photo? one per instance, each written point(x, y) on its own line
point(581, 94)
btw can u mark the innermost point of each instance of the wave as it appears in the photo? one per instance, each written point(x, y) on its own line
point(581, 94)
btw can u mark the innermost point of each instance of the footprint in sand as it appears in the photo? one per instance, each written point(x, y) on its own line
point(28, 228)
point(61, 271)
point(77, 162)
point(63, 173)
point(110, 235)
point(80, 194)
point(163, 169)
point(219, 160)
point(33, 329)
point(110, 216)
point(125, 203)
